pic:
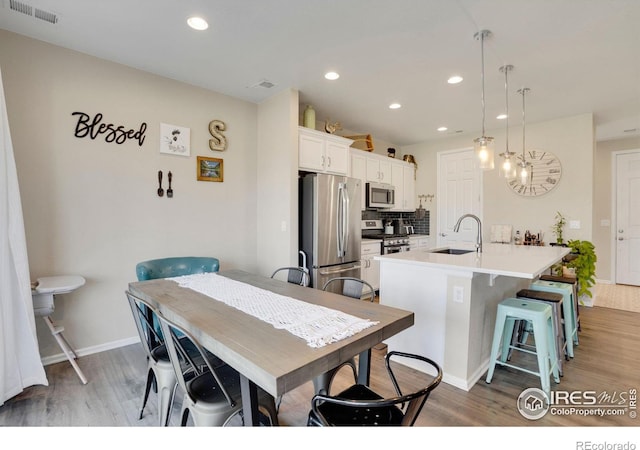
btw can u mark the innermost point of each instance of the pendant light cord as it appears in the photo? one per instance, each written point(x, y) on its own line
point(482, 35)
point(523, 91)
point(506, 69)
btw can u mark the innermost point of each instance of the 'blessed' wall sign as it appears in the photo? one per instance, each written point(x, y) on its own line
point(88, 127)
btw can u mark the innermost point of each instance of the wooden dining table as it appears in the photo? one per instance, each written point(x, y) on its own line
point(274, 359)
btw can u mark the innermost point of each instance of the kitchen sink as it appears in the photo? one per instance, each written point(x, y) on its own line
point(453, 251)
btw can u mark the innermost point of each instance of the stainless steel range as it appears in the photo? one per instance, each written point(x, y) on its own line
point(391, 242)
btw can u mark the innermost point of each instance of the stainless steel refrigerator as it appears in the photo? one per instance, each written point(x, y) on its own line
point(330, 227)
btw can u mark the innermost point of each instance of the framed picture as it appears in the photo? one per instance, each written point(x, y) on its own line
point(175, 140)
point(210, 169)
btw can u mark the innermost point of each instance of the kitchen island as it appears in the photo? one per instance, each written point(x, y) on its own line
point(454, 298)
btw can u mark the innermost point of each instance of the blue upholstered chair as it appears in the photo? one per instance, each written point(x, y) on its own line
point(175, 267)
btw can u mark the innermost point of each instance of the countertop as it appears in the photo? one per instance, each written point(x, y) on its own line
point(520, 261)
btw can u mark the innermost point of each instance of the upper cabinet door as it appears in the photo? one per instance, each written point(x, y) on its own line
point(403, 178)
point(378, 169)
point(409, 187)
point(310, 152)
point(359, 170)
point(337, 157)
point(322, 152)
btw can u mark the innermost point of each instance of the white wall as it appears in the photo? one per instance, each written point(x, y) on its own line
point(277, 174)
point(570, 139)
point(90, 207)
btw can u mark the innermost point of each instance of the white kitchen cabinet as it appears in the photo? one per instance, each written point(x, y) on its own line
point(409, 188)
point(323, 152)
point(359, 170)
point(379, 169)
point(419, 242)
point(403, 178)
point(370, 271)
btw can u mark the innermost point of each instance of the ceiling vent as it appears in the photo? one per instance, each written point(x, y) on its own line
point(263, 84)
point(26, 9)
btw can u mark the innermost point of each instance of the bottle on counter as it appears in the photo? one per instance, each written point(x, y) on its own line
point(517, 240)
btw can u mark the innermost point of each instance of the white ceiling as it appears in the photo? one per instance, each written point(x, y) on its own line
point(576, 56)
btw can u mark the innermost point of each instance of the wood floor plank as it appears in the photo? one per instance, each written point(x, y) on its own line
point(605, 361)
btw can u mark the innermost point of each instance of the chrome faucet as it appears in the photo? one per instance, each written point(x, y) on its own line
point(456, 228)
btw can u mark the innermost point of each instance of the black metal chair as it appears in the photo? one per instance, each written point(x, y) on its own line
point(160, 372)
point(295, 275)
point(351, 287)
point(358, 405)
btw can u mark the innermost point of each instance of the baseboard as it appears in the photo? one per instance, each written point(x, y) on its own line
point(599, 281)
point(60, 357)
point(467, 384)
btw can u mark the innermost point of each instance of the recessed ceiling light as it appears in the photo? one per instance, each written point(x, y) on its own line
point(395, 106)
point(455, 79)
point(442, 129)
point(332, 75)
point(197, 23)
point(501, 116)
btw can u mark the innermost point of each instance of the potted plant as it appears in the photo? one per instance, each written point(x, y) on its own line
point(558, 228)
point(583, 262)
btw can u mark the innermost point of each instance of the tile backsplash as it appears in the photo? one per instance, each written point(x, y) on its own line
point(420, 226)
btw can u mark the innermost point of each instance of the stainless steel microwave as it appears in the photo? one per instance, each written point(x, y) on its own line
point(380, 196)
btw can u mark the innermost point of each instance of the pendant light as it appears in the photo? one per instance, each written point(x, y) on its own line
point(523, 165)
point(508, 167)
point(483, 145)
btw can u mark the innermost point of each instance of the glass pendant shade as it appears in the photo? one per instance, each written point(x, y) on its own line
point(508, 167)
point(525, 173)
point(484, 152)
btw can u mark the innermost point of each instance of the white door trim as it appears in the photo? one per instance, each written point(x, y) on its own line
point(614, 211)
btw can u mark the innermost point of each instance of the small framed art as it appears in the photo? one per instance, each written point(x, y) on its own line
point(175, 140)
point(210, 169)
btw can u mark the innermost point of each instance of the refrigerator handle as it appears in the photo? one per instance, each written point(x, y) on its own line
point(340, 221)
point(345, 219)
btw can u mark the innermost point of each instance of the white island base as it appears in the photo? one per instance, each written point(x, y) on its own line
point(454, 299)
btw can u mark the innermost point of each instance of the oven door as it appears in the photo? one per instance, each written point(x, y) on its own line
point(388, 250)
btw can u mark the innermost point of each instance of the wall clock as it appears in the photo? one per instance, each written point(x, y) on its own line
point(545, 169)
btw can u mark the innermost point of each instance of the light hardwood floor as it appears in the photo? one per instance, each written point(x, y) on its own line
point(606, 361)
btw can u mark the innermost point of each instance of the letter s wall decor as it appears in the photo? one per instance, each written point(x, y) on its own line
point(218, 141)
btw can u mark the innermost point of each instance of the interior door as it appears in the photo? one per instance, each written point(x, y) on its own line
point(628, 218)
point(459, 192)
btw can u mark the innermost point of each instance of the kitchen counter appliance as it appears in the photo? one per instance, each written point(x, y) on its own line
point(330, 216)
point(391, 243)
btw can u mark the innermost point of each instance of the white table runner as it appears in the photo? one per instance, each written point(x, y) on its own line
point(316, 324)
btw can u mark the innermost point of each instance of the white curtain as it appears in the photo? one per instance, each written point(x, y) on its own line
point(20, 364)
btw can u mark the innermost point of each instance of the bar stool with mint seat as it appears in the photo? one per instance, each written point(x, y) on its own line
point(555, 301)
point(539, 315)
point(573, 281)
point(570, 324)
